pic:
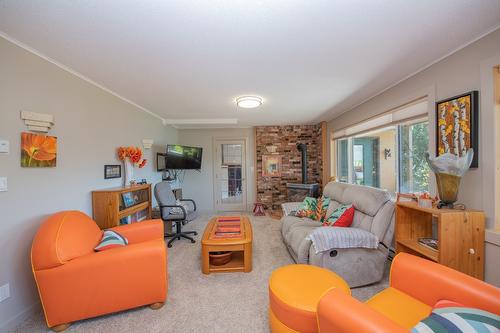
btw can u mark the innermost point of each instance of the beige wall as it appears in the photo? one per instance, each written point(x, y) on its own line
point(90, 125)
point(200, 185)
point(465, 70)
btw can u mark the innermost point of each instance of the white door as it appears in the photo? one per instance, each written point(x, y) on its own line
point(229, 173)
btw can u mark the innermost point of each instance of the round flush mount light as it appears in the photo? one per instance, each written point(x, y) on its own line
point(249, 102)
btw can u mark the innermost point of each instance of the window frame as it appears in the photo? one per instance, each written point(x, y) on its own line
point(397, 151)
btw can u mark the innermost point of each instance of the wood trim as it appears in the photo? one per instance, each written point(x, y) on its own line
point(332, 157)
point(255, 171)
point(324, 154)
point(496, 84)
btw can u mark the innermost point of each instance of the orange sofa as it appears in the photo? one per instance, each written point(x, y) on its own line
point(415, 286)
point(75, 283)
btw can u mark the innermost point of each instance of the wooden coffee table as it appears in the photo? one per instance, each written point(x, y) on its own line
point(239, 244)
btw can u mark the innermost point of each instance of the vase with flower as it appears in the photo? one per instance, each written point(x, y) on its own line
point(131, 157)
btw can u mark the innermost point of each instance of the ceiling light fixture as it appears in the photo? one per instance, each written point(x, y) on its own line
point(249, 102)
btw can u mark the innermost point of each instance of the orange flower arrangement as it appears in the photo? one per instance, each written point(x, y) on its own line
point(132, 153)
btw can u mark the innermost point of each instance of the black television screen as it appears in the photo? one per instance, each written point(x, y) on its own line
point(161, 162)
point(183, 157)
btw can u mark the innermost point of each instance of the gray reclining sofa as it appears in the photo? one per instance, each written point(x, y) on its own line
point(374, 212)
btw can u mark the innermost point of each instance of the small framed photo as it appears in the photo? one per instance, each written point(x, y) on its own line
point(271, 165)
point(112, 171)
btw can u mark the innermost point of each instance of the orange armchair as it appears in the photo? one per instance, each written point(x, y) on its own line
point(75, 283)
point(416, 285)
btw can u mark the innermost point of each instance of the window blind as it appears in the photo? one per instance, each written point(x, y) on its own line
point(413, 110)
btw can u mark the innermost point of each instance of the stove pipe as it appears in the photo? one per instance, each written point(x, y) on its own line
point(303, 149)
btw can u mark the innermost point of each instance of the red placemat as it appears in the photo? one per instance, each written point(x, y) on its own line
point(227, 227)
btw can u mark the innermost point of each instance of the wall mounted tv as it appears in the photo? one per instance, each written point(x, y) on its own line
point(183, 157)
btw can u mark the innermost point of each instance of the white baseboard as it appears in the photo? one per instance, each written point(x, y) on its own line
point(21, 317)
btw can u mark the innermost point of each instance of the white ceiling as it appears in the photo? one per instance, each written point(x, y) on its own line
point(309, 59)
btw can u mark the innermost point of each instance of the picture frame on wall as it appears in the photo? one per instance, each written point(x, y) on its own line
point(38, 150)
point(271, 165)
point(112, 171)
point(457, 125)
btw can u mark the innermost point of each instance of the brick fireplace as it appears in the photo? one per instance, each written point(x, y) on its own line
point(283, 141)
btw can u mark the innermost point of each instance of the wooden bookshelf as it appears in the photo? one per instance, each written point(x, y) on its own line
point(109, 207)
point(460, 235)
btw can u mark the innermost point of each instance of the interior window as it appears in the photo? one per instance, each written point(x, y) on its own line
point(342, 161)
point(392, 158)
point(413, 169)
point(376, 161)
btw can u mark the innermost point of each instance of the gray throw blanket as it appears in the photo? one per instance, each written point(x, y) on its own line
point(328, 238)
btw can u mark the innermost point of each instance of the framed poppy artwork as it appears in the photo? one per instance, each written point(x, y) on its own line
point(457, 126)
point(271, 165)
point(38, 150)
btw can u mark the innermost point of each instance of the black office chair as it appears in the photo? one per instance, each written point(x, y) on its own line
point(167, 203)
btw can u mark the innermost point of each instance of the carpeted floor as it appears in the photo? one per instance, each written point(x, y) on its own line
point(229, 302)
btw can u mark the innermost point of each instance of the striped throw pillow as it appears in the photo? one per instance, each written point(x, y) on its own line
point(457, 319)
point(110, 240)
point(341, 217)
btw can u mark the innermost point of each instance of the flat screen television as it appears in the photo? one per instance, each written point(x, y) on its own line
point(183, 157)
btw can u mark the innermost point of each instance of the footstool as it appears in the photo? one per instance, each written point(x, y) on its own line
point(294, 293)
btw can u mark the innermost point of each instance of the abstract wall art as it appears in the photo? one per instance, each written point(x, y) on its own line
point(457, 125)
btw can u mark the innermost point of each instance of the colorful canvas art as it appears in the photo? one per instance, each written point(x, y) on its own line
point(271, 165)
point(38, 151)
point(456, 130)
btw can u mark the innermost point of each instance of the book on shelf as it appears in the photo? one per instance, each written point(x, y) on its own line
point(128, 199)
point(431, 243)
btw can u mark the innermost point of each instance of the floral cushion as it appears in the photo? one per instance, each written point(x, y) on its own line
point(341, 217)
point(313, 208)
point(448, 316)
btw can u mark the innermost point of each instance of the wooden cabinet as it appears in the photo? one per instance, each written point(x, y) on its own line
point(460, 235)
point(121, 205)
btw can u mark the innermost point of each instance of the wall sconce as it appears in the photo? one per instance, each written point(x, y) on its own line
point(147, 143)
point(37, 122)
point(387, 153)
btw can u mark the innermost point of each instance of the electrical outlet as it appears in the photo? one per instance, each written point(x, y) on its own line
point(3, 184)
point(4, 147)
point(4, 292)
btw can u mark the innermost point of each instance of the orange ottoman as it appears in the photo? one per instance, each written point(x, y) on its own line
point(294, 293)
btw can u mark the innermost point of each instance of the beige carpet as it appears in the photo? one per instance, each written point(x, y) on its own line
point(226, 302)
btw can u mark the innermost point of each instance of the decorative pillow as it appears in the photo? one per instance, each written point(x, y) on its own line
point(448, 316)
point(110, 240)
point(313, 208)
point(341, 217)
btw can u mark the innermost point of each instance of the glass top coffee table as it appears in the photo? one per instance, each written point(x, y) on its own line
point(227, 234)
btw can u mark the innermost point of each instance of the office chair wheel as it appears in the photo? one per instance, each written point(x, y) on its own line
point(195, 233)
point(193, 241)
point(169, 245)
